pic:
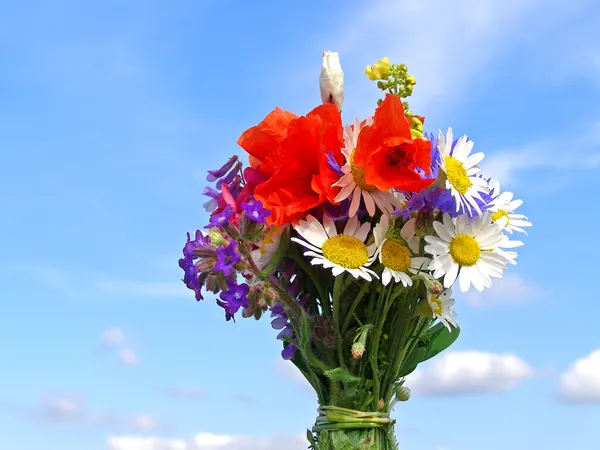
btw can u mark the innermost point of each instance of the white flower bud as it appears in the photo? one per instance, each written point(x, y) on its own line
point(332, 79)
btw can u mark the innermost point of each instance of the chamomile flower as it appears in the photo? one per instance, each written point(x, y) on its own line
point(353, 181)
point(346, 252)
point(396, 250)
point(504, 207)
point(468, 250)
point(441, 308)
point(268, 246)
point(460, 171)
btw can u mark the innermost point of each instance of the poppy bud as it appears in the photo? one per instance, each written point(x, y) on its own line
point(332, 79)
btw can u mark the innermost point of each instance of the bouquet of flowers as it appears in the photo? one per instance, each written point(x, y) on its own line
point(352, 238)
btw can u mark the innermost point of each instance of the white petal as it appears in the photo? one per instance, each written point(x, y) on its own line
point(329, 225)
point(351, 226)
point(369, 203)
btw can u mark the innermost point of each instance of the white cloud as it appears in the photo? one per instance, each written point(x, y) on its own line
point(113, 336)
point(114, 340)
point(505, 164)
point(128, 357)
point(469, 372)
point(129, 288)
point(451, 43)
point(70, 409)
point(145, 422)
point(207, 441)
point(510, 289)
point(453, 46)
point(186, 392)
point(581, 382)
point(67, 283)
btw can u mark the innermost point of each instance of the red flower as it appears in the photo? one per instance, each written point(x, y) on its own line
point(387, 152)
point(290, 151)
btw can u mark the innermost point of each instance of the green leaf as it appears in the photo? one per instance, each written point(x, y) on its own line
point(311, 439)
point(438, 339)
point(342, 375)
point(281, 250)
point(304, 345)
point(414, 358)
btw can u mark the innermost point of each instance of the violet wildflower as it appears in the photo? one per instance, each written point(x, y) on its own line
point(214, 175)
point(226, 258)
point(281, 322)
point(199, 242)
point(288, 352)
point(191, 277)
point(211, 204)
point(222, 219)
point(235, 297)
point(255, 211)
point(333, 164)
point(229, 177)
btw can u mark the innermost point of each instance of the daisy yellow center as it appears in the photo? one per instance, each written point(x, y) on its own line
point(436, 305)
point(457, 174)
point(395, 255)
point(499, 214)
point(465, 250)
point(359, 176)
point(346, 251)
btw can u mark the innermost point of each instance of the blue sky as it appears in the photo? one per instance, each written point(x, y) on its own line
point(110, 114)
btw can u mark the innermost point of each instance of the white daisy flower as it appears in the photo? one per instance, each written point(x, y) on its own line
point(468, 250)
point(460, 171)
point(353, 182)
point(268, 246)
point(504, 207)
point(346, 252)
point(441, 308)
point(396, 254)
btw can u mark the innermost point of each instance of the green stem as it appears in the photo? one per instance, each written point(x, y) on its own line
point(338, 283)
point(323, 295)
point(350, 312)
point(373, 357)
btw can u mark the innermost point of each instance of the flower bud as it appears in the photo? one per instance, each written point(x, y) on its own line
point(212, 284)
point(380, 404)
point(402, 393)
point(332, 79)
point(380, 70)
point(358, 349)
point(434, 287)
point(216, 238)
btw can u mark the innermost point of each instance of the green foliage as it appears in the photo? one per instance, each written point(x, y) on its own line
point(437, 339)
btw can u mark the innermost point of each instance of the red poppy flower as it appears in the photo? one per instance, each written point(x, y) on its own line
point(291, 151)
point(387, 152)
point(264, 139)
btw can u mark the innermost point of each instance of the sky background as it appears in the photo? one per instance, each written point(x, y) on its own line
point(110, 114)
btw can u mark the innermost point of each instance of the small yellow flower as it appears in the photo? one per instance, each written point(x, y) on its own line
point(380, 70)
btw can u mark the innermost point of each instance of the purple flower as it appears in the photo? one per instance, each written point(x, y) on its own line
point(281, 322)
point(235, 297)
point(211, 204)
point(332, 163)
point(336, 212)
point(226, 258)
point(219, 220)
point(199, 242)
point(288, 352)
point(214, 175)
point(256, 212)
point(228, 179)
point(190, 277)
